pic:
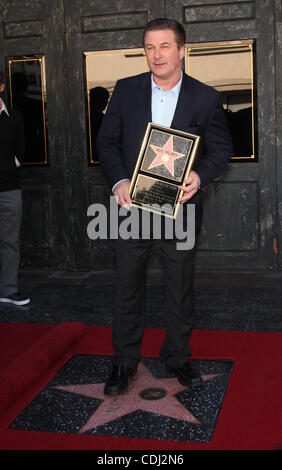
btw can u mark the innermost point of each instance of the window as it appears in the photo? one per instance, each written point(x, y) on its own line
point(27, 94)
point(102, 70)
point(228, 67)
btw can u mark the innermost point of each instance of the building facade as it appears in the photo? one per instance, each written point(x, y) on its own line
point(65, 48)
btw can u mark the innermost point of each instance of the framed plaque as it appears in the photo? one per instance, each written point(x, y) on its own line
point(165, 159)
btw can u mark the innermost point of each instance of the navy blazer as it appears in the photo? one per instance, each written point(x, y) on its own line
point(199, 111)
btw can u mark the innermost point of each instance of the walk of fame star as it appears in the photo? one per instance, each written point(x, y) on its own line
point(145, 392)
point(165, 156)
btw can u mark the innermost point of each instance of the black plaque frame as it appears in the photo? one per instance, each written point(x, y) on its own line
point(165, 160)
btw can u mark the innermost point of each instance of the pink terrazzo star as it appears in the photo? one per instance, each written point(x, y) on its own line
point(160, 399)
point(165, 156)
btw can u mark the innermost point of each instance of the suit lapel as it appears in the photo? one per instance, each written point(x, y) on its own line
point(184, 108)
point(144, 97)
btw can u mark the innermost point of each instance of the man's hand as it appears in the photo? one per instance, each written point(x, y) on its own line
point(191, 186)
point(121, 193)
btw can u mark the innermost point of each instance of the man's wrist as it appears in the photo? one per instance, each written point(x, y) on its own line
point(114, 186)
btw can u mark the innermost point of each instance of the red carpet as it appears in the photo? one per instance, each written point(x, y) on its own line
point(250, 417)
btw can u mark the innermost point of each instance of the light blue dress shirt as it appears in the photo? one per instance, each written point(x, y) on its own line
point(164, 103)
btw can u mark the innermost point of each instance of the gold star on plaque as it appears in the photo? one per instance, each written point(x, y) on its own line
point(165, 156)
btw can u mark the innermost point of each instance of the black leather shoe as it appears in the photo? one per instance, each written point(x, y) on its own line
point(117, 382)
point(187, 375)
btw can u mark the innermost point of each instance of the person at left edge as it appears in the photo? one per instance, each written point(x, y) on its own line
point(12, 145)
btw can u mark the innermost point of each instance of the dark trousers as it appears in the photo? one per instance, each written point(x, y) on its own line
point(131, 258)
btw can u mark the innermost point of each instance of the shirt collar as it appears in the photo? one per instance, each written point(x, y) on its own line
point(175, 89)
point(3, 107)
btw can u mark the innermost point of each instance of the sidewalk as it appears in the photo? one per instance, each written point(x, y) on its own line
point(224, 301)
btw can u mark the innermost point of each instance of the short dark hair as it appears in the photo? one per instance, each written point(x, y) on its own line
point(166, 23)
point(2, 78)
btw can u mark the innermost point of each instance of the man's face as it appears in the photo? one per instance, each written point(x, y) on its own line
point(163, 54)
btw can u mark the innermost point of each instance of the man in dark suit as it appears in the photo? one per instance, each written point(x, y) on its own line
point(168, 97)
